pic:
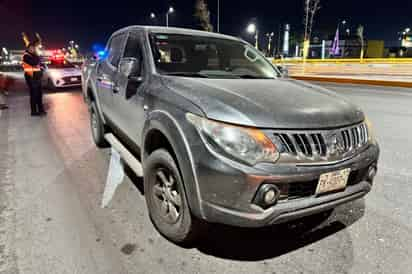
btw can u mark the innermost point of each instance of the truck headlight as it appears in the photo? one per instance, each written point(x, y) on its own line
point(249, 145)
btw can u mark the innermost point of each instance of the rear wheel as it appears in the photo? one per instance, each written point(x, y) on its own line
point(166, 199)
point(97, 127)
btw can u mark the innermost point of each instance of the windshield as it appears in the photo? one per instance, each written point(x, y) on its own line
point(60, 65)
point(197, 56)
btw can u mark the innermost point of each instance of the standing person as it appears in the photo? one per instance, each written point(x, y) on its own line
point(33, 74)
point(3, 91)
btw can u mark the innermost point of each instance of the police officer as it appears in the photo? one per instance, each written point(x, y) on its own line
point(4, 84)
point(33, 74)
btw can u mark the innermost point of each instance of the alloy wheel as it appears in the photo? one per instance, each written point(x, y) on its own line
point(167, 196)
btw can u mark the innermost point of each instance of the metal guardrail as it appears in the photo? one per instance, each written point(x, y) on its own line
point(347, 60)
point(10, 68)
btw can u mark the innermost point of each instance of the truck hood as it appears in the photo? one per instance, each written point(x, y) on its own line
point(280, 103)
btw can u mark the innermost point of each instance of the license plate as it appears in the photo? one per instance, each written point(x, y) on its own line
point(73, 79)
point(332, 181)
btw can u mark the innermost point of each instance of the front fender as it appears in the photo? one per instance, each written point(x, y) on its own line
point(175, 133)
point(93, 88)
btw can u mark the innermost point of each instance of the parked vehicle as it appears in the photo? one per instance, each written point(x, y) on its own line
point(59, 74)
point(221, 135)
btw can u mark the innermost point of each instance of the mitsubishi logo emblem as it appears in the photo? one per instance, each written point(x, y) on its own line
point(336, 144)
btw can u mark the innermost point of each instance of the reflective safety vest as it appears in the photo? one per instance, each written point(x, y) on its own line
point(30, 70)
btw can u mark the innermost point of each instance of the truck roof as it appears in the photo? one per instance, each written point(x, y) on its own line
point(172, 30)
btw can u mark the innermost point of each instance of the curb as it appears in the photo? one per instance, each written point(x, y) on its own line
point(355, 81)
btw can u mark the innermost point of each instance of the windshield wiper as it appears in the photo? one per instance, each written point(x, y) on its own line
point(187, 74)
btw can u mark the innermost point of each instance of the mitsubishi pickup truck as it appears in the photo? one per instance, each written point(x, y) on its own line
point(220, 135)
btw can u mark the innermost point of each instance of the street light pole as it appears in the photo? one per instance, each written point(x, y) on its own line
point(257, 39)
point(252, 29)
point(218, 16)
point(171, 10)
point(270, 37)
point(343, 22)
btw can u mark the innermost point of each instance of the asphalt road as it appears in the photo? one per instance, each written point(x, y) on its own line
point(52, 179)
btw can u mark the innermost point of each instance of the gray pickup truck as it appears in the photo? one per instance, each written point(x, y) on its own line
point(220, 135)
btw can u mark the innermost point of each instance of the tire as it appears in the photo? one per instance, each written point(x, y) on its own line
point(166, 200)
point(97, 127)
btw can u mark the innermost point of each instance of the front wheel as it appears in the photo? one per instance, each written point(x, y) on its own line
point(166, 199)
point(97, 127)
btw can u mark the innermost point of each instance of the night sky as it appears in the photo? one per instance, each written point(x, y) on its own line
point(89, 21)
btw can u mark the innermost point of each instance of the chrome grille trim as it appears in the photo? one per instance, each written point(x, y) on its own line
point(319, 146)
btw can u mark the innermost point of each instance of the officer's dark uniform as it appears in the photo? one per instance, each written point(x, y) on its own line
point(33, 74)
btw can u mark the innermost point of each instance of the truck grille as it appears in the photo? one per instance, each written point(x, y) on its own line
point(69, 80)
point(308, 144)
point(321, 145)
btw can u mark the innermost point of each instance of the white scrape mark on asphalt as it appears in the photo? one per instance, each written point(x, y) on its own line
point(114, 178)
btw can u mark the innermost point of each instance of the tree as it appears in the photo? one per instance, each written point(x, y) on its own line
point(311, 7)
point(202, 13)
point(359, 32)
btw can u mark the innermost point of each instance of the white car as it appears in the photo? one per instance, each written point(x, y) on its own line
point(59, 74)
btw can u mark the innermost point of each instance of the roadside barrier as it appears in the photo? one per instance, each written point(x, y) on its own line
point(10, 68)
point(345, 61)
point(341, 80)
point(395, 72)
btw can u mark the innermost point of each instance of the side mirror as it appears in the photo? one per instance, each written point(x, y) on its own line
point(283, 70)
point(130, 67)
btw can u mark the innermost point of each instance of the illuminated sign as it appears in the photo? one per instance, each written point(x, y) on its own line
point(407, 41)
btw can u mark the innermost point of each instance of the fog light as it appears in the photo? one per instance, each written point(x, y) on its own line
point(267, 196)
point(270, 197)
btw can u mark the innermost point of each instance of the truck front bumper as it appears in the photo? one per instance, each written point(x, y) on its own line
point(227, 188)
point(287, 211)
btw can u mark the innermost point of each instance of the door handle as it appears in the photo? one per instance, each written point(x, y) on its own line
point(104, 77)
